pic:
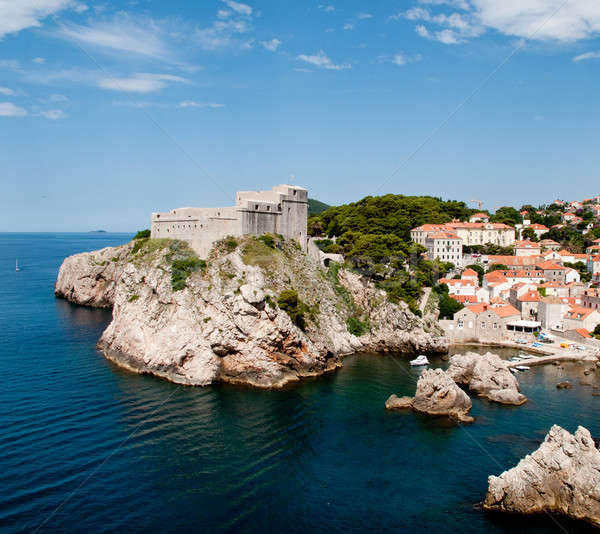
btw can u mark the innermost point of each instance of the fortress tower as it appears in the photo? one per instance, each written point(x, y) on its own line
point(282, 210)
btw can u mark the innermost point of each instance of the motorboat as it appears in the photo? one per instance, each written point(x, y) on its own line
point(522, 368)
point(419, 361)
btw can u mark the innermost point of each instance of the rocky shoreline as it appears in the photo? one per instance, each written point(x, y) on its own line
point(223, 323)
point(561, 476)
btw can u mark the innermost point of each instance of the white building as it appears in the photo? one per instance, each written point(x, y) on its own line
point(444, 246)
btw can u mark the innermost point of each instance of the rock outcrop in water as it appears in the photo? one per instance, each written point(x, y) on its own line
point(437, 394)
point(486, 375)
point(562, 476)
point(195, 323)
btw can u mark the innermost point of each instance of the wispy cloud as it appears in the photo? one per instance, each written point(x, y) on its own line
point(6, 91)
point(242, 9)
point(457, 27)
point(193, 104)
point(8, 109)
point(140, 82)
point(363, 16)
point(404, 59)
point(123, 33)
point(227, 30)
point(328, 8)
point(53, 114)
point(348, 26)
point(587, 55)
point(38, 60)
point(322, 61)
point(271, 45)
point(11, 64)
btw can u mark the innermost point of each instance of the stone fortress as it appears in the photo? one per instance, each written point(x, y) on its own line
point(282, 210)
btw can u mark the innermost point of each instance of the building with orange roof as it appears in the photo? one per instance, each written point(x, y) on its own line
point(578, 317)
point(470, 274)
point(593, 266)
point(479, 217)
point(549, 244)
point(527, 248)
point(553, 272)
point(472, 233)
point(483, 322)
point(445, 246)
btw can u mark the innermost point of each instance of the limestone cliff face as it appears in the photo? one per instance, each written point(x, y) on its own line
point(225, 323)
point(562, 476)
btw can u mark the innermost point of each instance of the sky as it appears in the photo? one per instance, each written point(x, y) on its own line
point(112, 110)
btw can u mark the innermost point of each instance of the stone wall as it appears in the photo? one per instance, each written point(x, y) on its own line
point(282, 210)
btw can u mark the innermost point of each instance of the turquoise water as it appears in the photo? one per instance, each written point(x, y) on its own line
point(88, 447)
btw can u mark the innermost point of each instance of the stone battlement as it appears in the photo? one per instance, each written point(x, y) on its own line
point(282, 210)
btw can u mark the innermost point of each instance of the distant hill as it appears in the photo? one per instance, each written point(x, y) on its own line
point(316, 206)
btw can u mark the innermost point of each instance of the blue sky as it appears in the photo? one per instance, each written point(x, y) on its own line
point(112, 110)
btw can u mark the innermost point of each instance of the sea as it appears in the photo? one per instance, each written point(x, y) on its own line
point(88, 447)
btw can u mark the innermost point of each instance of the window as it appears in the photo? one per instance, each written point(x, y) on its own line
point(256, 206)
point(461, 324)
point(482, 324)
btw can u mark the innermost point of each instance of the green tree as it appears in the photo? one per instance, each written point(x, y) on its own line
point(142, 234)
point(507, 215)
point(529, 233)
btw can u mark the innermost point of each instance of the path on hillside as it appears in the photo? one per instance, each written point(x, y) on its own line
point(424, 299)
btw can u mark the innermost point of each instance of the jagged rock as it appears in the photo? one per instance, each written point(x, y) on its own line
point(564, 385)
point(437, 394)
point(562, 476)
point(224, 324)
point(486, 375)
point(398, 403)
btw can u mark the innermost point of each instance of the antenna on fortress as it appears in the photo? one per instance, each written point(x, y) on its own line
point(292, 179)
point(478, 202)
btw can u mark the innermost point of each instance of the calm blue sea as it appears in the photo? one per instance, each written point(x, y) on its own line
point(88, 447)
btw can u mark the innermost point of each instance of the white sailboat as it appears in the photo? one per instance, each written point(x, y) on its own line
point(17, 266)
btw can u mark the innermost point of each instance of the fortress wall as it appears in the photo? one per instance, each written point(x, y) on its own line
point(283, 210)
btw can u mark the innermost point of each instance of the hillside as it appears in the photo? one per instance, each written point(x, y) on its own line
point(316, 206)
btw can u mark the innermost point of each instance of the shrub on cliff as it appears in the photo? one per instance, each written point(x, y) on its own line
point(357, 327)
point(290, 303)
point(142, 234)
point(181, 269)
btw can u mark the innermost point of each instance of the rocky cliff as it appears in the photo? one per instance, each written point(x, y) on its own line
point(195, 322)
point(562, 476)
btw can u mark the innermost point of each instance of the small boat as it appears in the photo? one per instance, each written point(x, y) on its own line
point(420, 360)
point(522, 368)
point(17, 266)
point(513, 370)
point(515, 359)
point(527, 356)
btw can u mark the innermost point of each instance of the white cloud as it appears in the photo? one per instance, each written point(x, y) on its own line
point(322, 61)
point(140, 82)
point(17, 15)
point(534, 19)
point(242, 9)
point(11, 64)
point(58, 98)
point(38, 60)
point(6, 91)
point(327, 8)
point(53, 114)
point(348, 26)
point(548, 19)
point(123, 33)
point(192, 104)
point(459, 4)
point(271, 45)
point(8, 109)
point(423, 31)
point(587, 55)
point(403, 59)
point(225, 32)
point(363, 16)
